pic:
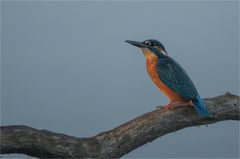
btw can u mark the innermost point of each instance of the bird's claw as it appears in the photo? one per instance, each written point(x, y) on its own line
point(170, 106)
point(175, 104)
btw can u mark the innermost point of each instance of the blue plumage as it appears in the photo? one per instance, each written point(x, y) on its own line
point(174, 76)
point(200, 107)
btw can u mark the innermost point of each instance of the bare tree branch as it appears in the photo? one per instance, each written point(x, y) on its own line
point(120, 140)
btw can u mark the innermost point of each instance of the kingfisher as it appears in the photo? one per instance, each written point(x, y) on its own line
point(170, 77)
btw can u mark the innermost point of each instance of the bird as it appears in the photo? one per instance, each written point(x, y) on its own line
point(170, 77)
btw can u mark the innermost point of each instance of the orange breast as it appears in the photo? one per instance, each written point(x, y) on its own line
point(151, 62)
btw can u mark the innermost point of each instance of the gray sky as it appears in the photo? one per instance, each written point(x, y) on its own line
point(65, 67)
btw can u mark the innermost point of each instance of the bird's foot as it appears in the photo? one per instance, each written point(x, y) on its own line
point(172, 105)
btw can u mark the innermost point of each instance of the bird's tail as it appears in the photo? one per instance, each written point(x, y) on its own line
point(200, 107)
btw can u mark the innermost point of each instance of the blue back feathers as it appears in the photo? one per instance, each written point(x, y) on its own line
point(174, 76)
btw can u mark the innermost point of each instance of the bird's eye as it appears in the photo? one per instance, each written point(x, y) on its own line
point(148, 43)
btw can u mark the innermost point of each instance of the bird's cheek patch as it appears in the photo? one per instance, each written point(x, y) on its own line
point(163, 52)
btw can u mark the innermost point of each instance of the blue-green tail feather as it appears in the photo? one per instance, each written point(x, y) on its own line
point(200, 107)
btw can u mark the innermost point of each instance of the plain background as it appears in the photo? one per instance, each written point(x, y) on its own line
point(65, 67)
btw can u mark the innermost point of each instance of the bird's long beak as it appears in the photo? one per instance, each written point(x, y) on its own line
point(136, 43)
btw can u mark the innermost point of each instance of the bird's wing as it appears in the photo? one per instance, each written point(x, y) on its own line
point(174, 76)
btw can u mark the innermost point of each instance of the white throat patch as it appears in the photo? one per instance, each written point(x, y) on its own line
point(163, 52)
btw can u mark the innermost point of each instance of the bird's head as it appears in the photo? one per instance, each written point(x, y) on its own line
point(150, 47)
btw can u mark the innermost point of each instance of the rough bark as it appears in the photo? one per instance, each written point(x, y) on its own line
point(120, 140)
